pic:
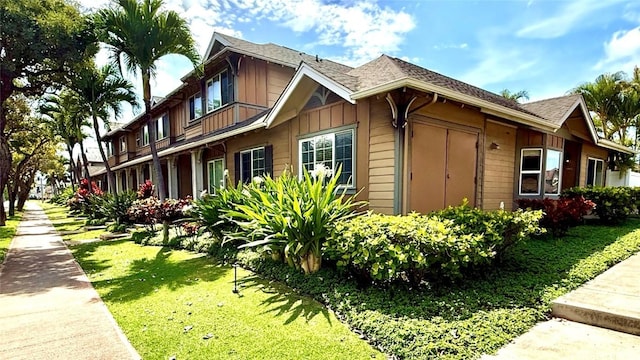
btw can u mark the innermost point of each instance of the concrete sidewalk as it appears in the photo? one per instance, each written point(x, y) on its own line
point(48, 308)
point(599, 320)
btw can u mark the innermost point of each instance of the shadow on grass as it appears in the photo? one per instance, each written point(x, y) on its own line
point(284, 302)
point(144, 276)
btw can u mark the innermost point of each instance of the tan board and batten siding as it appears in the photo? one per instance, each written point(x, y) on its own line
point(277, 79)
point(499, 171)
point(381, 158)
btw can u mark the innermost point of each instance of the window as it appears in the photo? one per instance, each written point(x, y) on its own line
point(143, 136)
point(195, 106)
point(162, 127)
point(108, 147)
point(552, 172)
point(595, 170)
point(331, 150)
point(252, 163)
point(219, 91)
point(530, 169)
point(123, 144)
point(216, 175)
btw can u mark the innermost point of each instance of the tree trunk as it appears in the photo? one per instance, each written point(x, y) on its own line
point(162, 194)
point(110, 178)
point(12, 202)
point(5, 167)
point(85, 165)
point(72, 168)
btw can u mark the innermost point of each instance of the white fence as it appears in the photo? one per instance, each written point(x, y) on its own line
point(630, 178)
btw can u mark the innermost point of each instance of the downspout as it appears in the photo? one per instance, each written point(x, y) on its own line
point(406, 136)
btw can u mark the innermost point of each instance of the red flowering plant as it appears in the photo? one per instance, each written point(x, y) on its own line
point(151, 211)
point(559, 214)
point(82, 197)
point(146, 190)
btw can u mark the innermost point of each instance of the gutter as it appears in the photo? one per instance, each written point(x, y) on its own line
point(485, 106)
point(608, 144)
point(258, 124)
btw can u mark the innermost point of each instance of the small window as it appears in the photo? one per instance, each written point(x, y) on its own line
point(195, 106)
point(216, 175)
point(143, 136)
point(252, 163)
point(219, 91)
point(162, 127)
point(123, 144)
point(530, 169)
point(331, 150)
point(552, 173)
point(595, 172)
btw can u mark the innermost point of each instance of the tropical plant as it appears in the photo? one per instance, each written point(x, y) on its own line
point(293, 216)
point(515, 96)
point(139, 33)
point(103, 91)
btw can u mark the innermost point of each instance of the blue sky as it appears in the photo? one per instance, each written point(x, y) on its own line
point(543, 47)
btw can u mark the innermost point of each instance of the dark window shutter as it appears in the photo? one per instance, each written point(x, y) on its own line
point(268, 160)
point(236, 172)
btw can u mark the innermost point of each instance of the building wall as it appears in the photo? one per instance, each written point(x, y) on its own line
point(277, 79)
point(381, 157)
point(590, 151)
point(500, 165)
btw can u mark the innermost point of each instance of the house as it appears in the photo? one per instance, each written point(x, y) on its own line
point(95, 165)
point(410, 138)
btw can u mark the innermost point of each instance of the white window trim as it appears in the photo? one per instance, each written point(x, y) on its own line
point(594, 171)
point(195, 116)
point(224, 182)
point(559, 171)
point(210, 80)
point(333, 133)
point(123, 143)
point(250, 151)
point(524, 172)
point(144, 140)
point(165, 132)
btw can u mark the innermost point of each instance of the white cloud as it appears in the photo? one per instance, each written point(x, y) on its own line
point(363, 28)
point(461, 46)
point(570, 14)
point(622, 52)
point(499, 66)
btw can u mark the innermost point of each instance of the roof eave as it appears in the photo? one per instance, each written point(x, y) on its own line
point(485, 106)
point(608, 144)
point(258, 124)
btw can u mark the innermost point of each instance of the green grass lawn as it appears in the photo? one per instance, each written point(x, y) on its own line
point(7, 233)
point(177, 303)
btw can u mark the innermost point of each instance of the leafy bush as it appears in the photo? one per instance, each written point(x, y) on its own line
point(63, 196)
point(293, 216)
point(151, 211)
point(559, 214)
point(210, 211)
point(146, 190)
point(613, 204)
point(417, 247)
point(117, 228)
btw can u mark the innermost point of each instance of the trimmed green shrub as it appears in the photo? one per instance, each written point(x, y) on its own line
point(559, 214)
point(63, 197)
point(418, 247)
point(210, 212)
point(613, 204)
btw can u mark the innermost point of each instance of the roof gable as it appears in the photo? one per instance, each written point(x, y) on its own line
point(557, 110)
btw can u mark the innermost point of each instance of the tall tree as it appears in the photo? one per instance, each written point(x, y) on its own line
point(41, 43)
point(104, 91)
point(603, 98)
point(515, 96)
point(139, 33)
point(68, 115)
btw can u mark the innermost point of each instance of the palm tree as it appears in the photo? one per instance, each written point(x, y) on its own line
point(103, 91)
point(603, 98)
point(67, 118)
point(138, 34)
point(515, 96)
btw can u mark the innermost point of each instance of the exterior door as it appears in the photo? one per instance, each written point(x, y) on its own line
point(443, 167)
point(571, 165)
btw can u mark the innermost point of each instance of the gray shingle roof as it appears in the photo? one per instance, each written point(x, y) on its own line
point(555, 109)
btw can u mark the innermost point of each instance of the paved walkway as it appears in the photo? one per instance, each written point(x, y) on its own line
point(48, 308)
point(599, 320)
